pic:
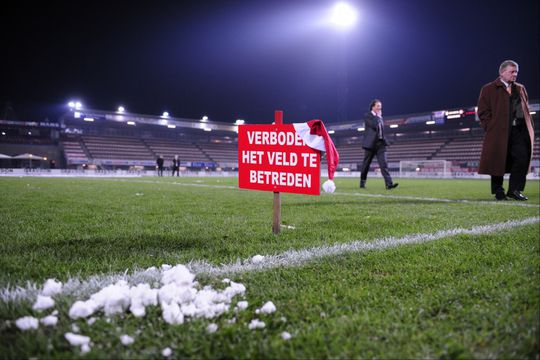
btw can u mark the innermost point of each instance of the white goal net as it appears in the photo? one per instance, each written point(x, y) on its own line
point(425, 168)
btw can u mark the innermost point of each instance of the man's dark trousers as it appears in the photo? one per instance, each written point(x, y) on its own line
point(378, 150)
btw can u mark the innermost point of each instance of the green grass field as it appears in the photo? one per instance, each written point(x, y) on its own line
point(462, 296)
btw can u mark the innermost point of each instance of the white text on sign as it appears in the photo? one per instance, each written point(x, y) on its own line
point(274, 138)
point(279, 158)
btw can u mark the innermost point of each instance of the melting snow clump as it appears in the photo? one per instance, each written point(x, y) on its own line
point(126, 340)
point(27, 323)
point(166, 352)
point(256, 324)
point(211, 328)
point(179, 296)
point(43, 303)
point(51, 287)
point(267, 308)
point(257, 259)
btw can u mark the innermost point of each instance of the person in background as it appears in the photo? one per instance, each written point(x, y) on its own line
point(375, 144)
point(159, 165)
point(176, 165)
point(503, 110)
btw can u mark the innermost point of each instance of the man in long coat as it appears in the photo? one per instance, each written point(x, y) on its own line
point(503, 109)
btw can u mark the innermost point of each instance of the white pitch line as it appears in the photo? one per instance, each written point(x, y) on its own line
point(429, 199)
point(389, 196)
point(291, 258)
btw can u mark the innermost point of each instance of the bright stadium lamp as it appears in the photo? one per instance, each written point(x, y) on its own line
point(343, 16)
point(121, 109)
point(75, 104)
point(165, 114)
point(204, 118)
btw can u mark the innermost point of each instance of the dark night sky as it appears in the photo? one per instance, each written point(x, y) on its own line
point(244, 59)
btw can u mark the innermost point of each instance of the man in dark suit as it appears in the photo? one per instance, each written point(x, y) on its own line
point(176, 166)
point(374, 144)
point(503, 110)
point(159, 165)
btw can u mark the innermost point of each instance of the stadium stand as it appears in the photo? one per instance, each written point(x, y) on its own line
point(415, 150)
point(186, 150)
point(126, 148)
point(109, 143)
point(467, 149)
point(73, 151)
point(221, 153)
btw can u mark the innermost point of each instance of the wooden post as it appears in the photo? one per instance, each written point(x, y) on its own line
point(276, 224)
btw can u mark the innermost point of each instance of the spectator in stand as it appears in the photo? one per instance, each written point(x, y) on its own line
point(375, 144)
point(176, 166)
point(503, 110)
point(159, 163)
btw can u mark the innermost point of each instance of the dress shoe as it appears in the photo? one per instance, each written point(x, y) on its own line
point(392, 186)
point(500, 195)
point(517, 195)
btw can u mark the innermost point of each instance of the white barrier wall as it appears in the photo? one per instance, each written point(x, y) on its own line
point(152, 173)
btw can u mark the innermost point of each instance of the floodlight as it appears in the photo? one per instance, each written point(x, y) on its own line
point(165, 114)
point(207, 129)
point(240, 122)
point(343, 15)
point(204, 118)
point(75, 104)
point(131, 123)
point(393, 126)
point(331, 131)
point(361, 129)
point(121, 109)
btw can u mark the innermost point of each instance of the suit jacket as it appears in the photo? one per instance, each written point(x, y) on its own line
point(371, 132)
point(494, 114)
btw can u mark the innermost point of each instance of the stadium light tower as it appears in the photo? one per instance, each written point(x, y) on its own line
point(343, 16)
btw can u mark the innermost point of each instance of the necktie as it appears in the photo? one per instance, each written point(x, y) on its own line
point(509, 89)
point(380, 129)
